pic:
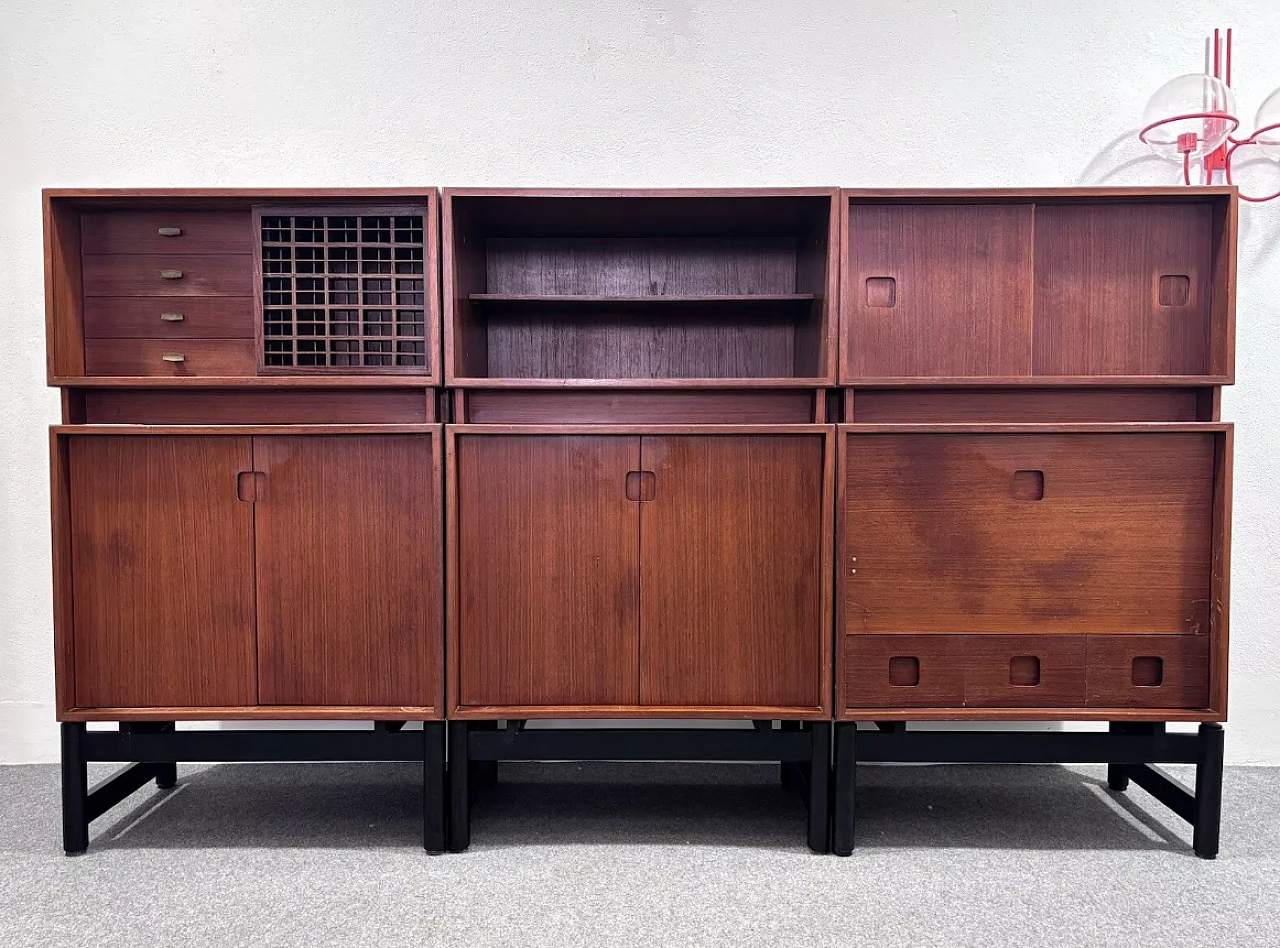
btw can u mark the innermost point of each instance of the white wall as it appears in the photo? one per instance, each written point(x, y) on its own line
point(603, 92)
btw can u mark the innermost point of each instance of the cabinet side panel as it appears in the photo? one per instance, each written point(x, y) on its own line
point(548, 559)
point(731, 577)
point(348, 567)
point(162, 567)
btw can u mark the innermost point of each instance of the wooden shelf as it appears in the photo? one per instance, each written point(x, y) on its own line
point(587, 300)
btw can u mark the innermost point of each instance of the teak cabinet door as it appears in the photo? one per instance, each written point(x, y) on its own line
point(347, 563)
point(162, 571)
point(731, 571)
point(547, 558)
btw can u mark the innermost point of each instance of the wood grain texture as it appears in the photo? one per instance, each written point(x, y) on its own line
point(162, 567)
point(275, 712)
point(139, 232)
point(348, 564)
point(990, 679)
point(63, 313)
point(864, 671)
point(1185, 671)
point(64, 657)
point(128, 274)
point(1097, 309)
point(793, 406)
point(1120, 542)
point(731, 570)
point(1047, 405)
point(203, 317)
point(960, 276)
point(1220, 577)
point(200, 357)
point(286, 406)
point(546, 554)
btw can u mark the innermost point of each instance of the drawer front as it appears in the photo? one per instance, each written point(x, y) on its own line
point(903, 671)
point(1026, 533)
point(167, 232)
point(1023, 671)
point(117, 274)
point(141, 317)
point(170, 357)
point(1148, 671)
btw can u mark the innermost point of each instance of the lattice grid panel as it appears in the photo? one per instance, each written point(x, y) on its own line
point(344, 291)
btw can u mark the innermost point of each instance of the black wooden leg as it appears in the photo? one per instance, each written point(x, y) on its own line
point(846, 776)
point(75, 790)
point(1117, 775)
point(819, 787)
point(484, 773)
point(166, 776)
point(459, 793)
point(1208, 806)
point(433, 790)
point(790, 769)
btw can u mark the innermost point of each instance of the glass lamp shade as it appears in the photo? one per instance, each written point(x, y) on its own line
point(1192, 114)
point(1268, 126)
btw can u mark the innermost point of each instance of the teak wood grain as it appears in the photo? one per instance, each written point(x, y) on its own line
point(938, 290)
point(142, 317)
point(731, 571)
point(1098, 306)
point(942, 531)
point(246, 407)
point(689, 406)
point(132, 274)
point(162, 571)
point(348, 549)
point(200, 232)
point(1184, 671)
point(170, 358)
point(546, 547)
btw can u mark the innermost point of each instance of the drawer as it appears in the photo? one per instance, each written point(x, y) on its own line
point(196, 317)
point(194, 357)
point(1148, 671)
point(1023, 671)
point(120, 274)
point(903, 671)
point(156, 232)
point(1027, 532)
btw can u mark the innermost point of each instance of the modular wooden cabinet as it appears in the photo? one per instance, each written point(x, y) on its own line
point(1034, 509)
point(640, 571)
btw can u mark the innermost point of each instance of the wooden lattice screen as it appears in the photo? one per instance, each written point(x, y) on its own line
point(342, 289)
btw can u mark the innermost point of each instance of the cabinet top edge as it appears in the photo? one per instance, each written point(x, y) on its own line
point(1060, 194)
point(763, 192)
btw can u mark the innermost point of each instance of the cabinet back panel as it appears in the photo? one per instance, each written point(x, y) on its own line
point(939, 290)
point(974, 405)
point(708, 406)
point(162, 571)
point(1028, 532)
point(1123, 289)
point(638, 344)
point(640, 266)
point(547, 559)
point(347, 553)
point(731, 571)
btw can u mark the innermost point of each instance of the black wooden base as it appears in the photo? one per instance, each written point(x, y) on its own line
point(1128, 748)
point(154, 748)
point(802, 748)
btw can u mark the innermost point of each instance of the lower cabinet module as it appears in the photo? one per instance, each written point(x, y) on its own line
point(639, 573)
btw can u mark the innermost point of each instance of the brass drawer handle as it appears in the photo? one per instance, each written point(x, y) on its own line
point(171, 274)
point(174, 357)
point(170, 231)
point(172, 317)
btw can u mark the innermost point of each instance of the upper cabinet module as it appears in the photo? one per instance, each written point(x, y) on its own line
point(640, 288)
point(1077, 286)
point(204, 285)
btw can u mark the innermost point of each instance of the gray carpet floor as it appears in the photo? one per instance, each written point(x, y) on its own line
point(637, 855)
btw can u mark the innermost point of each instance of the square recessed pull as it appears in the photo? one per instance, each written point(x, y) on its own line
point(881, 291)
point(1148, 671)
point(1028, 485)
point(1175, 289)
point(641, 486)
point(1024, 671)
point(904, 671)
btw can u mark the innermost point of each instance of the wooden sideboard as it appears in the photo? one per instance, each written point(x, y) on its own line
point(786, 456)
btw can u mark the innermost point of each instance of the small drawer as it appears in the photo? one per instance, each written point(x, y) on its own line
point(166, 232)
point(141, 317)
point(1148, 671)
point(178, 358)
point(903, 671)
point(118, 274)
point(1024, 671)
